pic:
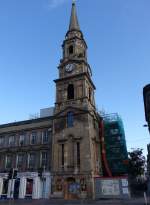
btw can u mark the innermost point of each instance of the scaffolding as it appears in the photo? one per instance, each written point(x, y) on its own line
point(115, 144)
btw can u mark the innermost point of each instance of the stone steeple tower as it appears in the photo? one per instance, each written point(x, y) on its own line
point(76, 154)
point(74, 25)
point(73, 66)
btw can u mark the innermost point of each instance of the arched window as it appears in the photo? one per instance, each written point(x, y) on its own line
point(70, 49)
point(70, 119)
point(70, 91)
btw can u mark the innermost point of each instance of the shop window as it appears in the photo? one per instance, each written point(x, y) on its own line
point(29, 187)
point(32, 159)
point(33, 138)
point(70, 49)
point(45, 137)
point(44, 158)
point(70, 119)
point(70, 92)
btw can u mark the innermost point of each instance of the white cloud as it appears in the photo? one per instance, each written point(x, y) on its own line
point(56, 3)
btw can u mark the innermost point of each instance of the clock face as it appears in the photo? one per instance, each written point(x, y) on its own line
point(70, 67)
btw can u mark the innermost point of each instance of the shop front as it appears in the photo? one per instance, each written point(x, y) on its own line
point(26, 185)
point(33, 186)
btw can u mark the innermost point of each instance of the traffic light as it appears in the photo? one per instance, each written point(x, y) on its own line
point(10, 174)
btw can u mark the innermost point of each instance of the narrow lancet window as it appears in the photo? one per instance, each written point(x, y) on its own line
point(70, 49)
point(70, 92)
point(70, 119)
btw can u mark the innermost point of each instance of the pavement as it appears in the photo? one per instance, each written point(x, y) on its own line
point(138, 201)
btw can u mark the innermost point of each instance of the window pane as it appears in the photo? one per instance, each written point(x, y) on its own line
point(44, 158)
point(71, 49)
point(8, 161)
point(11, 140)
point(33, 138)
point(70, 92)
point(70, 119)
point(32, 158)
point(45, 136)
point(22, 140)
point(20, 160)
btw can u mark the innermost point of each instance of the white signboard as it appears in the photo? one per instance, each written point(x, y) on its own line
point(125, 190)
point(110, 187)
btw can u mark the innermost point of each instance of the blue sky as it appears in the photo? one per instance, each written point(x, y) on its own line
point(118, 37)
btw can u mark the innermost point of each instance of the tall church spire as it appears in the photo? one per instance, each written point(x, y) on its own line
point(74, 25)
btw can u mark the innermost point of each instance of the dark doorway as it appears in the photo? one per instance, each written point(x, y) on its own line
point(16, 188)
point(4, 189)
point(29, 188)
point(73, 190)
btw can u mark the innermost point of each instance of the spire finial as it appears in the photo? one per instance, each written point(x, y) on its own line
point(74, 25)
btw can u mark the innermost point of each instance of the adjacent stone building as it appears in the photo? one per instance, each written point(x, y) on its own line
point(25, 148)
